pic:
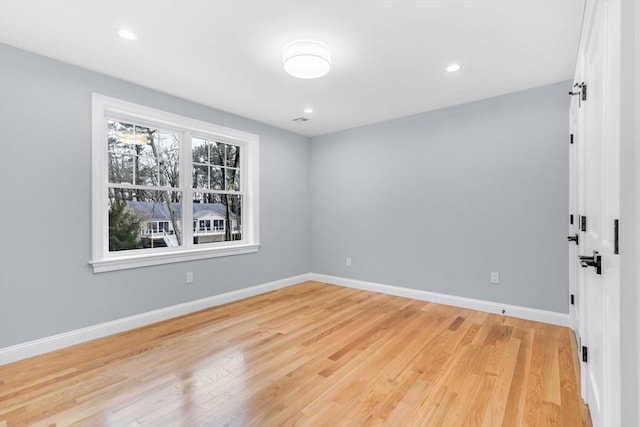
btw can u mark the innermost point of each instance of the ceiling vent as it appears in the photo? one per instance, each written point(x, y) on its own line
point(301, 119)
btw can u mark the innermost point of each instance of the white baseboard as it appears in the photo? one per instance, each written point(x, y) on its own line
point(552, 317)
point(66, 339)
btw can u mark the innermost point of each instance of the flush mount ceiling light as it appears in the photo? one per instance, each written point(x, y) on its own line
point(453, 68)
point(308, 110)
point(306, 59)
point(127, 35)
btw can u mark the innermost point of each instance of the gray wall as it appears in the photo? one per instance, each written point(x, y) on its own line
point(438, 200)
point(46, 284)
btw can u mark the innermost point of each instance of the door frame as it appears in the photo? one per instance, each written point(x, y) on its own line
point(632, 210)
point(636, 239)
point(637, 193)
point(630, 213)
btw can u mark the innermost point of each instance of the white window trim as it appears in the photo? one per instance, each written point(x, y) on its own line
point(102, 259)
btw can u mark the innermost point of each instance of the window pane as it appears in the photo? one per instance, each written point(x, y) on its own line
point(116, 143)
point(222, 224)
point(169, 174)
point(233, 156)
point(120, 168)
point(233, 179)
point(216, 154)
point(200, 176)
point(167, 146)
point(217, 179)
point(145, 170)
point(199, 151)
point(136, 219)
point(234, 202)
point(207, 152)
point(142, 155)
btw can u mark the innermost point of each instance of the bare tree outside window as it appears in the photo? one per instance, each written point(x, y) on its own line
point(144, 165)
point(216, 176)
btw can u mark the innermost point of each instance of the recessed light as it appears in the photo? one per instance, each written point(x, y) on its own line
point(306, 59)
point(453, 68)
point(308, 110)
point(127, 35)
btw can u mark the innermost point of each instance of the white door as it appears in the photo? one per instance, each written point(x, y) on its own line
point(577, 308)
point(598, 202)
point(575, 285)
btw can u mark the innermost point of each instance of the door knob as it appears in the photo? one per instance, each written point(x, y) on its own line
point(573, 238)
point(594, 261)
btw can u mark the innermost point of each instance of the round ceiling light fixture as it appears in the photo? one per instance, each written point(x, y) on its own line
point(306, 59)
point(453, 68)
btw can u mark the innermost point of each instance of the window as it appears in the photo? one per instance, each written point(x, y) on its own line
point(153, 172)
point(152, 228)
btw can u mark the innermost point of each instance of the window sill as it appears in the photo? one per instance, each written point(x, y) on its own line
point(135, 261)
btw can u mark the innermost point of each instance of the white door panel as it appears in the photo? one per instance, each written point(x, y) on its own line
point(595, 191)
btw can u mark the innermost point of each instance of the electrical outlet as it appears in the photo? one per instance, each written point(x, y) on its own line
point(189, 276)
point(495, 277)
point(348, 262)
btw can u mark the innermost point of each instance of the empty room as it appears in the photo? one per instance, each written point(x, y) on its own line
point(320, 212)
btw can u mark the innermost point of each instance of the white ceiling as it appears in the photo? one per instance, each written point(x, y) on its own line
point(389, 56)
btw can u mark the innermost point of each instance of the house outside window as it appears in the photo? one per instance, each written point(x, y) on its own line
point(154, 171)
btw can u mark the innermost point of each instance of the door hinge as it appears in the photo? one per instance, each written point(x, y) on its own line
point(573, 299)
point(571, 139)
point(571, 219)
point(583, 222)
point(616, 236)
point(585, 355)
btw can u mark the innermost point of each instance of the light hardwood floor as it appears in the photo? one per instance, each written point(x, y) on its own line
point(310, 354)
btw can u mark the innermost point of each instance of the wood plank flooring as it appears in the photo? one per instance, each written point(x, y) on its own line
point(311, 354)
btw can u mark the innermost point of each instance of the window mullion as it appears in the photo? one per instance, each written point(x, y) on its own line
point(187, 193)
